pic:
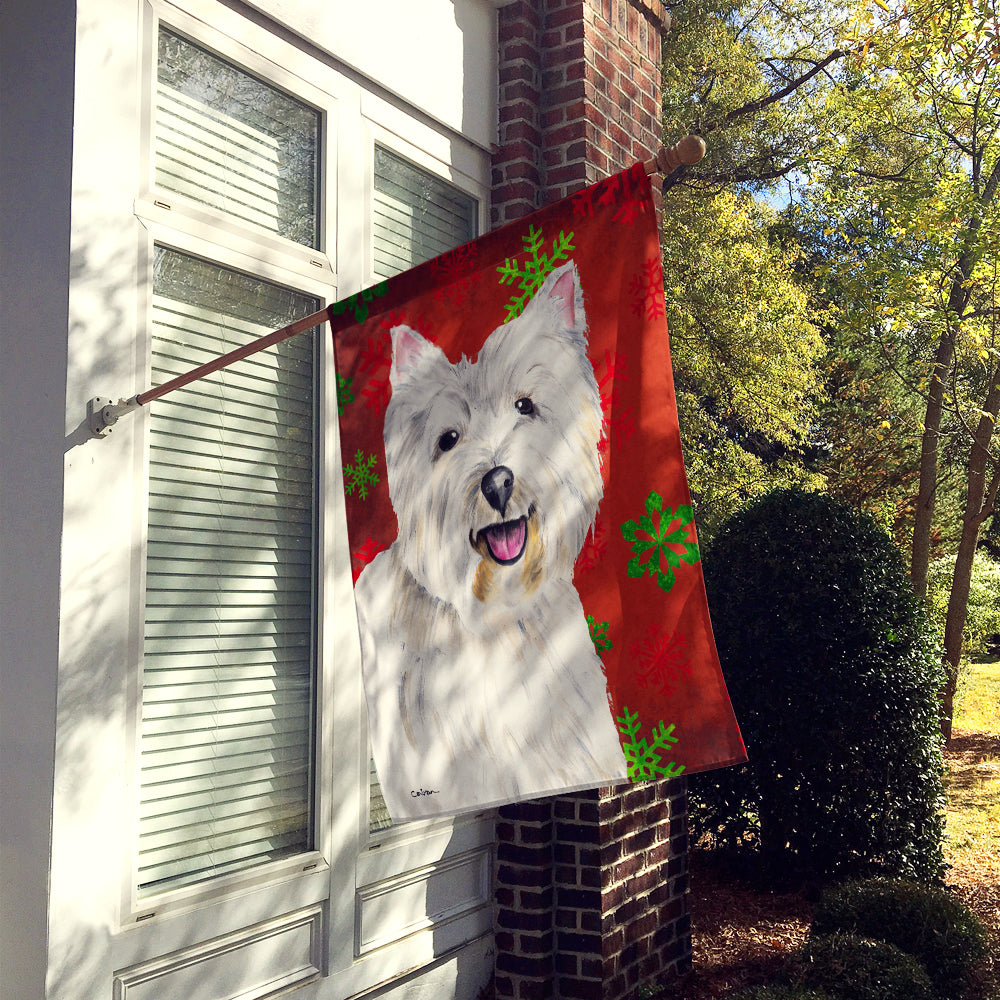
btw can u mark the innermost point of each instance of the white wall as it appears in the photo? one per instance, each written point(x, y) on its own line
point(71, 293)
point(36, 109)
point(416, 49)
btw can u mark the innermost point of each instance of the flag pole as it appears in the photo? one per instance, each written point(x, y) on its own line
point(687, 152)
point(103, 413)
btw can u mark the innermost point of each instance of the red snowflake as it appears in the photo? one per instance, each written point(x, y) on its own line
point(376, 355)
point(377, 393)
point(608, 192)
point(375, 362)
point(621, 427)
point(364, 555)
point(598, 196)
point(611, 371)
point(647, 287)
point(592, 553)
point(583, 203)
point(619, 188)
point(661, 659)
point(453, 281)
point(629, 211)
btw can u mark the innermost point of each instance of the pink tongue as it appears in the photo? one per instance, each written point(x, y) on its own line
point(506, 540)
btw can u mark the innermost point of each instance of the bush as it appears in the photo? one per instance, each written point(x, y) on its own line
point(856, 968)
point(833, 673)
point(925, 922)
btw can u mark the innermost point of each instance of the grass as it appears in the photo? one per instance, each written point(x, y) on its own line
point(973, 808)
point(973, 782)
point(977, 705)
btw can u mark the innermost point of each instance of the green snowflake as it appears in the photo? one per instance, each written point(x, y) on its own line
point(660, 542)
point(533, 272)
point(643, 759)
point(599, 634)
point(358, 303)
point(345, 394)
point(360, 476)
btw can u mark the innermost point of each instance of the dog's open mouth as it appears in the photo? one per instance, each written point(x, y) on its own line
point(505, 542)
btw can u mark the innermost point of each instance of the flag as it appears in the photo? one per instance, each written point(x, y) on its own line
point(527, 571)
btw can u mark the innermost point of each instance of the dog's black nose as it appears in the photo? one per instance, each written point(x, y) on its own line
point(497, 486)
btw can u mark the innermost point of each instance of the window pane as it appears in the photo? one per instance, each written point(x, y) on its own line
point(228, 656)
point(226, 139)
point(417, 215)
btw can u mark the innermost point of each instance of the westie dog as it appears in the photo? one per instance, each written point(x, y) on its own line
point(482, 681)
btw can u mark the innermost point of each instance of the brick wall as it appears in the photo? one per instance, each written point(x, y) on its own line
point(591, 889)
point(579, 96)
point(591, 893)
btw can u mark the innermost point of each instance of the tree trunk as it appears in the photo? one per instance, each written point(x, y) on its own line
point(920, 553)
point(979, 499)
point(958, 299)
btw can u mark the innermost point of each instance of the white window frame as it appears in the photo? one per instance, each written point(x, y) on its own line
point(181, 224)
point(350, 875)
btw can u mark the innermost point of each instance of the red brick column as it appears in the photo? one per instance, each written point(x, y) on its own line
point(524, 901)
point(579, 96)
point(591, 889)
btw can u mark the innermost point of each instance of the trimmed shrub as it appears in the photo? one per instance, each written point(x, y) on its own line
point(857, 968)
point(926, 922)
point(833, 673)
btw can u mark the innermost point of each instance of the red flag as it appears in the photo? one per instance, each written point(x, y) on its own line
point(528, 578)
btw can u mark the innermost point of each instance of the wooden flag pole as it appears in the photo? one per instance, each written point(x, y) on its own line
point(103, 413)
point(687, 152)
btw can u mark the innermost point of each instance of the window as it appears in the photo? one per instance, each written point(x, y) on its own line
point(252, 807)
point(225, 139)
point(416, 215)
point(229, 674)
point(228, 677)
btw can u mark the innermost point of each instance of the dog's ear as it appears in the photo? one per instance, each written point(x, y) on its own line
point(410, 352)
point(561, 298)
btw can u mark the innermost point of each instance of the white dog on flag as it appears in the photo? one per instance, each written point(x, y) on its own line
point(482, 681)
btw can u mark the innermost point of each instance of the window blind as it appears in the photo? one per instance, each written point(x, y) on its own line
point(228, 140)
point(416, 216)
point(228, 654)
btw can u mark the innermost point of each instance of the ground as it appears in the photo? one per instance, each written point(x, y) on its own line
point(741, 935)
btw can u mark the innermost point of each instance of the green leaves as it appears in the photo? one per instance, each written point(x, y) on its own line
point(833, 675)
point(661, 541)
point(745, 345)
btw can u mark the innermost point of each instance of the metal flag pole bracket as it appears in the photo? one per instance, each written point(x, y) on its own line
point(103, 413)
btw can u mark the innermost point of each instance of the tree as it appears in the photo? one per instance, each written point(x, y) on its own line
point(881, 119)
point(746, 76)
point(747, 352)
point(912, 177)
point(747, 357)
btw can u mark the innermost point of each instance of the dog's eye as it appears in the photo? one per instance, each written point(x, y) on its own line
point(524, 406)
point(448, 440)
